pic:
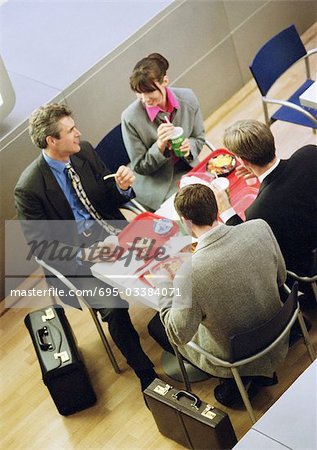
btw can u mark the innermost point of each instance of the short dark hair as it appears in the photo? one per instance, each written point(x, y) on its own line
point(148, 72)
point(196, 203)
point(43, 122)
point(251, 140)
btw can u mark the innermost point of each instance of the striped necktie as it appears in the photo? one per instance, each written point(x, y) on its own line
point(81, 194)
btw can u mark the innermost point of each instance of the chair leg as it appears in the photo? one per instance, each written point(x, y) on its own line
point(314, 288)
point(104, 340)
point(182, 368)
point(243, 393)
point(306, 337)
point(266, 114)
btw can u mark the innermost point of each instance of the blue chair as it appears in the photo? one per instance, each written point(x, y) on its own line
point(112, 152)
point(273, 59)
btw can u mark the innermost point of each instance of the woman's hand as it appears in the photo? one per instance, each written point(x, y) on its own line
point(185, 148)
point(164, 132)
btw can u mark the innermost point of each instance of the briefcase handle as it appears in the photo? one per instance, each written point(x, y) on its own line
point(196, 400)
point(43, 336)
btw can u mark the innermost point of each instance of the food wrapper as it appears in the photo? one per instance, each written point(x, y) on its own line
point(166, 270)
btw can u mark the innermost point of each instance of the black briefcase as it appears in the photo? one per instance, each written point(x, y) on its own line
point(63, 370)
point(182, 416)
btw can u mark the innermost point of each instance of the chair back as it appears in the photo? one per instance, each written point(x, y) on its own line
point(80, 300)
point(251, 342)
point(57, 280)
point(275, 57)
point(112, 151)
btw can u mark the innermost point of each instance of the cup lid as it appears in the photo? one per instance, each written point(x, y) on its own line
point(178, 131)
point(220, 183)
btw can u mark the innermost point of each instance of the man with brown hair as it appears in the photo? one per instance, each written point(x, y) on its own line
point(228, 286)
point(65, 197)
point(287, 199)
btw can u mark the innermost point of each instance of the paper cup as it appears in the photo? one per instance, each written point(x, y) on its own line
point(176, 140)
point(220, 183)
point(186, 181)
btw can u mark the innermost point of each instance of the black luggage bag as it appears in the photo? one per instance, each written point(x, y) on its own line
point(63, 370)
point(183, 417)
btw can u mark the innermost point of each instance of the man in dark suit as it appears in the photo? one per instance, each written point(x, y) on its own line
point(287, 199)
point(66, 233)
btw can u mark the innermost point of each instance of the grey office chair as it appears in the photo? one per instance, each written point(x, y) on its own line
point(82, 301)
point(253, 344)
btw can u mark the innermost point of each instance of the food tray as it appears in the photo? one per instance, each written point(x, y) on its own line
point(165, 270)
point(240, 193)
point(143, 226)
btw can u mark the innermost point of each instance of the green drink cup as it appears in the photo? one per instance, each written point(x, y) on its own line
point(176, 140)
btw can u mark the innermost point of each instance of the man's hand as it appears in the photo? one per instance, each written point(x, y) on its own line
point(124, 177)
point(243, 172)
point(222, 199)
point(103, 251)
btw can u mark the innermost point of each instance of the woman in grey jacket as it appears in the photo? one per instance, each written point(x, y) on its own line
point(146, 131)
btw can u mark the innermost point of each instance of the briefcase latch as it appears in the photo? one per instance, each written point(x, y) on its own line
point(49, 314)
point(63, 355)
point(207, 412)
point(162, 390)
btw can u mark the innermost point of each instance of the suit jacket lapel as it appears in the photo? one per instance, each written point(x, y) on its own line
point(83, 169)
point(54, 193)
point(87, 176)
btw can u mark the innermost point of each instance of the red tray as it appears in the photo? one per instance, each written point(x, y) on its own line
point(143, 226)
point(240, 193)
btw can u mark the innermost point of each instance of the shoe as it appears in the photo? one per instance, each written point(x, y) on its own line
point(227, 393)
point(265, 381)
point(146, 377)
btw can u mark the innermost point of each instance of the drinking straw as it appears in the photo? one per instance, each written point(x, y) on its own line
point(167, 120)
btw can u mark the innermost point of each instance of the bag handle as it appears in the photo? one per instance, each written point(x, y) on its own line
point(196, 400)
point(44, 343)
